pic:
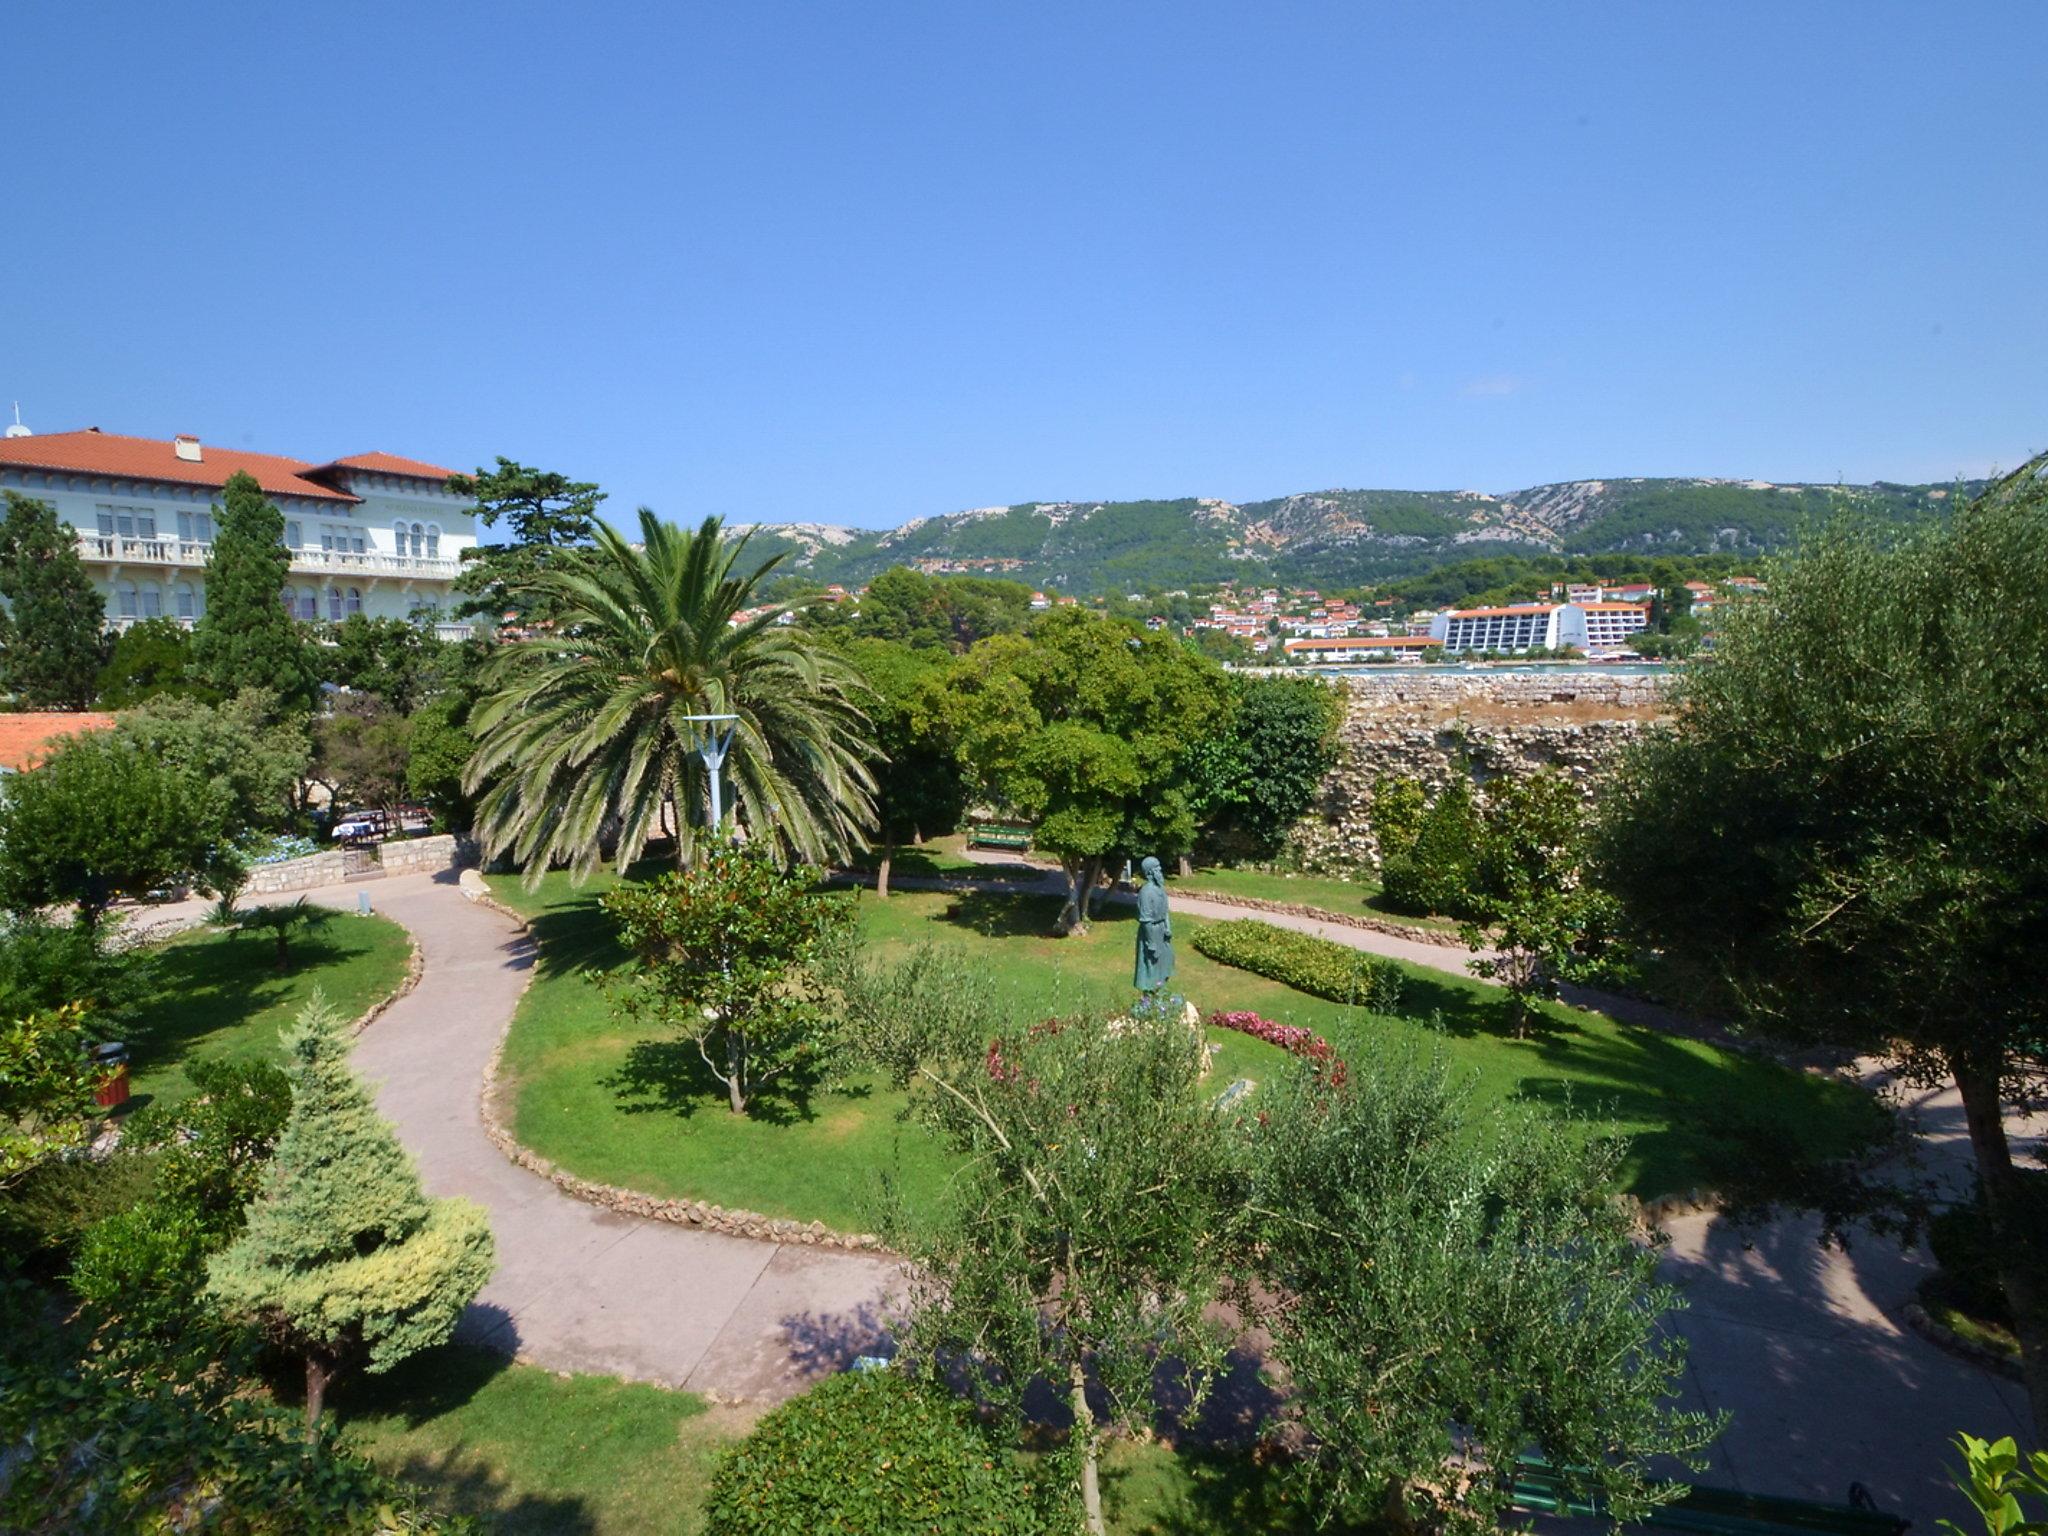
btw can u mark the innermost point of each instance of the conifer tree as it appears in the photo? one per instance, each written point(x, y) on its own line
point(247, 638)
point(51, 631)
point(344, 1258)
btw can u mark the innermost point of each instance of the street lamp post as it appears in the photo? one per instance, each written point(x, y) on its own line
point(711, 738)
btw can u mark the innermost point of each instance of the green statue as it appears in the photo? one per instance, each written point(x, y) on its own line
point(1155, 931)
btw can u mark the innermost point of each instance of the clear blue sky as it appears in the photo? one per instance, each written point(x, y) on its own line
point(866, 262)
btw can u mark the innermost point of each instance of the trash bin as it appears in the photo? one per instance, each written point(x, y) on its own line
point(112, 1060)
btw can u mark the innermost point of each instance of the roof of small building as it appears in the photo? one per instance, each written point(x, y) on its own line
point(27, 739)
point(1496, 613)
point(388, 464)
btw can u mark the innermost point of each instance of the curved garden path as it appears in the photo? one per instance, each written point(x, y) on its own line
point(1802, 1344)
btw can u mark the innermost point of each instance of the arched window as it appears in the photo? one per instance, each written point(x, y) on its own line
point(309, 604)
point(124, 600)
point(355, 599)
point(398, 531)
point(433, 540)
point(152, 600)
point(185, 602)
point(291, 536)
point(419, 540)
point(334, 604)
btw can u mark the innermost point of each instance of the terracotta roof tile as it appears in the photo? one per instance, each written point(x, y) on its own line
point(1496, 613)
point(94, 452)
point(387, 464)
point(26, 740)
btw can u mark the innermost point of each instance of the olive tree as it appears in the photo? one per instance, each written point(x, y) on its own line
point(1843, 833)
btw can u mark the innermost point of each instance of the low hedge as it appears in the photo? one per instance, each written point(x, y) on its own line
point(874, 1451)
point(1316, 966)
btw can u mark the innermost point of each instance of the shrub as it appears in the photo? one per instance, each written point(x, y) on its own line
point(50, 1210)
point(1291, 1038)
point(144, 1267)
point(876, 1451)
point(1316, 966)
point(1962, 1243)
point(1438, 869)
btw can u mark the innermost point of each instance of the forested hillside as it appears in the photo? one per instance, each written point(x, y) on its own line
point(1343, 537)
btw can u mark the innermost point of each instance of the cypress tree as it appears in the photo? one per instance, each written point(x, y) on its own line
point(344, 1258)
point(51, 631)
point(247, 638)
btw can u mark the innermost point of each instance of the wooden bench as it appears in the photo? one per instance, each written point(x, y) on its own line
point(1000, 835)
point(1539, 1487)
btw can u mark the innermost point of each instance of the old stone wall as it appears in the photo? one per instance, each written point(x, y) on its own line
point(330, 866)
point(1432, 727)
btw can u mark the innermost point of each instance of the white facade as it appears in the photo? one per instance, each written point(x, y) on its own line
point(1586, 627)
point(374, 535)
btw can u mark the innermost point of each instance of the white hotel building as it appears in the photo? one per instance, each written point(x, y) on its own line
point(1593, 628)
point(371, 534)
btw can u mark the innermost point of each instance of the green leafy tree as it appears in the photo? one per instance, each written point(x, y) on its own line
point(362, 752)
point(587, 728)
point(104, 817)
point(344, 1259)
point(1855, 798)
point(243, 745)
point(1256, 779)
point(439, 747)
point(1531, 900)
point(726, 950)
point(47, 1081)
point(1087, 726)
point(1437, 871)
point(1447, 1292)
point(1089, 1230)
point(1395, 814)
point(50, 645)
point(921, 791)
point(389, 658)
point(550, 517)
point(150, 660)
point(247, 638)
point(278, 919)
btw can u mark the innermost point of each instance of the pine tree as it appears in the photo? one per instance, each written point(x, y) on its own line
point(51, 631)
point(247, 638)
point(344, 1258)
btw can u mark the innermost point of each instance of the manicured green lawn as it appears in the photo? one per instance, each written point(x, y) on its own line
point(536, 1453)
point(220, 995)
point(603, 1100)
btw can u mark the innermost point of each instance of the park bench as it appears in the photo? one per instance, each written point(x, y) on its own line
point(999, 834)
point(1539, 1487)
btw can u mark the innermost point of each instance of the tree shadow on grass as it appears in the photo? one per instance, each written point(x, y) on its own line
point(213, 987)
point(575, 938)
point(671, 1077)
point(1000, 915)
point(1219, 1491)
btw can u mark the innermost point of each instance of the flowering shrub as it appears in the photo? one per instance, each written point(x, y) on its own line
point(1152, 1005)
point(278, 849)
point(1291, 1038)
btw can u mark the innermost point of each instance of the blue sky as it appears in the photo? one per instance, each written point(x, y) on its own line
point(862, 263)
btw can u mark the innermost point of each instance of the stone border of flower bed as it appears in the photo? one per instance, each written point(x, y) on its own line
point(701, 1214)
point(1943, 1337)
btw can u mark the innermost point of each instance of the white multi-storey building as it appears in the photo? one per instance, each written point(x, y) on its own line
point(1593, 627)
point(372, 534)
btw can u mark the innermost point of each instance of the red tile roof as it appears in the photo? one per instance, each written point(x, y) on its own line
point(388, 464)
point(1612, 607)
point(1495, 613)
point(93, 452)
point(26, 740)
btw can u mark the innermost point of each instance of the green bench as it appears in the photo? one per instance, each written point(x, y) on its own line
point(1715, 1511)
point(1000, 835)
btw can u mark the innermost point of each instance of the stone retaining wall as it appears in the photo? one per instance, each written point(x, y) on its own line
point(1432, 727)
point(415, 856)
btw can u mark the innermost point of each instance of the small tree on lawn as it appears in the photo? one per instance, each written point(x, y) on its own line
point(1531, 900)
point(725, 950)
point(344, 1259)
point(50, 647)
point(103, 817)
point(1445, 1296)
point(1089, 1230)
point(278, 921)
point(247, 638)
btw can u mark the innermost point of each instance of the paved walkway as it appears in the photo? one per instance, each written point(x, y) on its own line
point(1800, 1343)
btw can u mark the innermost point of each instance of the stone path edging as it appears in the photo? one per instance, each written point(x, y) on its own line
point(629, 1202)
point(1384, 925)
point(415, 968)
point(1939, 1334)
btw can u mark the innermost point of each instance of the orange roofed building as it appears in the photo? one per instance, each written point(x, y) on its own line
point(26, 740)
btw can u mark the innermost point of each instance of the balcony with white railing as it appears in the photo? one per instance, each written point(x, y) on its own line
point(185, 554)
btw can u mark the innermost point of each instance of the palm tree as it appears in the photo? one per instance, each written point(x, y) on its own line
point(585, 729)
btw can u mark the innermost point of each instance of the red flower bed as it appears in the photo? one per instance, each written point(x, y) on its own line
point(1291, 1038)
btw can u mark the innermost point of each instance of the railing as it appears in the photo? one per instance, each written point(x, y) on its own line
point(111, 548)
point(443, 630)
